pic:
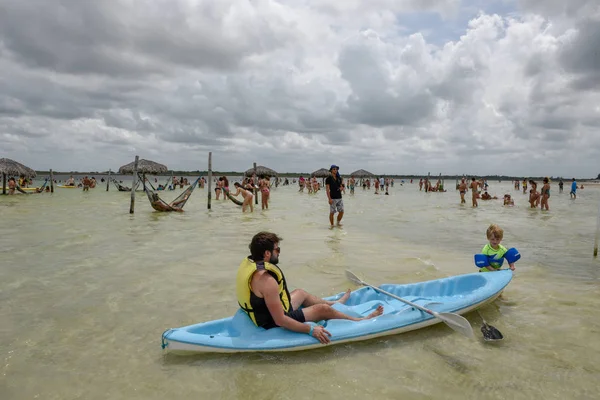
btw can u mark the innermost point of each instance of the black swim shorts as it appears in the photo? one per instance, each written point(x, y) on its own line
point(297, 315)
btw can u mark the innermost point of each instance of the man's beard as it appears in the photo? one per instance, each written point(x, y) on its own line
point(274, 259)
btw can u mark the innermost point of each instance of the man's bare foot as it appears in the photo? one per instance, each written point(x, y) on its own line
point(375, 313)
point(344, 298)
point(339, 224)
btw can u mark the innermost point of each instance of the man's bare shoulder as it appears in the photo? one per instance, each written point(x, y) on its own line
point(262, 281)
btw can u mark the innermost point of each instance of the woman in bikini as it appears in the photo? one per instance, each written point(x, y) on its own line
point(218, 189)
point(264, 184)
point(224, 187)
point(246, 194)
point(545, 192)
point(462, 188)
point(534, 196)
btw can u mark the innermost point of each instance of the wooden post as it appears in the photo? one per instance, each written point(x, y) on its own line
point(135, 165)
point(3, 183)
point(254, 186)
point(597, 233)
point(108, 181)
point(209, 177)
point(51, 181)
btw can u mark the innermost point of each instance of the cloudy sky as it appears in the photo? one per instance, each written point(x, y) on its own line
point(392, 86)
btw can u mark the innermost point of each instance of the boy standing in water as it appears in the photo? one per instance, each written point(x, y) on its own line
point(495, 234)
point(574, 189)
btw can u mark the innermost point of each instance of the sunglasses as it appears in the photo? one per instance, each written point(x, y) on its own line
point(277, 249)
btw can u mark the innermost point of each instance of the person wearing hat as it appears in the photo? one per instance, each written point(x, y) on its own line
point(333, 185)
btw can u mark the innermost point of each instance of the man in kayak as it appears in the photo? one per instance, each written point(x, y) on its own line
point(263, 294)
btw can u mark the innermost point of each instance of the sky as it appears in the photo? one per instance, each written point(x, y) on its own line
point(498, 87)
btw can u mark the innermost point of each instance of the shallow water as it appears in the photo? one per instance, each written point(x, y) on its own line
point(86, 289)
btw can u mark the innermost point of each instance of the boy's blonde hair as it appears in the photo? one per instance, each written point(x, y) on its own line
point(494, 231)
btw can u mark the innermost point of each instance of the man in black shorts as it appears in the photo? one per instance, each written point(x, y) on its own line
point(263, 294)
point(333, 185)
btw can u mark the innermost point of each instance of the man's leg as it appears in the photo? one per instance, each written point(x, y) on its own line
point(340, 216)
point(331, 218)
point(302, 298)
point(320, 312)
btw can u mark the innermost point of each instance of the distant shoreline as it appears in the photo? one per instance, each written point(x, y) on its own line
point(297, 174)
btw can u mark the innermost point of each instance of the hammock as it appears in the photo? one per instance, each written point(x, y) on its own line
point(122, 188)
point(37, 190)
point(176, 205)
point(230, 197)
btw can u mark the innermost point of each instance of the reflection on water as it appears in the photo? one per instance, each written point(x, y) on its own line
point(86, 290)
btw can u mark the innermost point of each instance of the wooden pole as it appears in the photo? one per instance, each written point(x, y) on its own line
point(108, 181)
point(209, 178)
point(51, 181)
point(135, 165)
point(597, 233)
point(254, 186)
point(3, 183)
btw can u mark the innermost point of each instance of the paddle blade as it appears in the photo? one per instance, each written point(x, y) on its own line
point(490, 333)
point(354, 278)
point(458, 323)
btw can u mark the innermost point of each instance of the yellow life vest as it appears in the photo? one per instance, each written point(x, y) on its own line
point(254, 306)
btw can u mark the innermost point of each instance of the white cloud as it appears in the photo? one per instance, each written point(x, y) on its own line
point(298, 85)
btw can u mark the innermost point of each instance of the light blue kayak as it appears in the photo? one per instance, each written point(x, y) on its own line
point(457, 294)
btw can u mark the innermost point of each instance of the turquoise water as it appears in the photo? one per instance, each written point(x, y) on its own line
point(86, 289)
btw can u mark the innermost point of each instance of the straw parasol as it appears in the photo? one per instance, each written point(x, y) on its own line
point(144, 167)
point(361, 173)
point(321, 173)
point(13, 168)
point(261, 170)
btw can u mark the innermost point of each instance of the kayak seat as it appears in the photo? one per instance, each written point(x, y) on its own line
point(242, 325)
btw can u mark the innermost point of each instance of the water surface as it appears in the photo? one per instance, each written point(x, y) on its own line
point(86, 289)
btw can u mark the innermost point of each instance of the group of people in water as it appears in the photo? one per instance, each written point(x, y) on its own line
point(312, 184)
point(536, 198)
point(246, 189)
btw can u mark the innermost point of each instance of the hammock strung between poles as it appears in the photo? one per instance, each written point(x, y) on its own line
point(176, 205)
point(37, 190)
point(122, 188)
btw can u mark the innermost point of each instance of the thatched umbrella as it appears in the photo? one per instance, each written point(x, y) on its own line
point(361, 173)
point(145, 167)
point(11, 167)
point(321, 173)
point(261, 170)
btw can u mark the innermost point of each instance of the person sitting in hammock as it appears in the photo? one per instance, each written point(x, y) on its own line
point(246, 194)
point(181, 202)
point(159, 205)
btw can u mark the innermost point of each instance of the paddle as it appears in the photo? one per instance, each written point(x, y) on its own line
point(454, 321)
point(490, 333)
